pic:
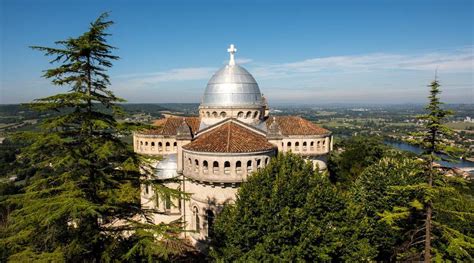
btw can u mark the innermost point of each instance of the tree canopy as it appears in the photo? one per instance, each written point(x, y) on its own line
point(358, 153)
point(289, 212)
point(81, 202)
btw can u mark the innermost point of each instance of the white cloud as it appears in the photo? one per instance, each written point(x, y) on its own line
point(459, 60)
point(178, 74)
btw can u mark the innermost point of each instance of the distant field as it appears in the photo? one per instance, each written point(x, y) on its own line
point(325, 113)
point(460, 125)
point(336, 124)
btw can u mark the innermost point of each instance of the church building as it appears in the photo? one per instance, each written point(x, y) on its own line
point(210, 155)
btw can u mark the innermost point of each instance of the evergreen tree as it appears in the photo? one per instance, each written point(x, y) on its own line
point(359, 153)
point(372, 191)
point(82, 202)
point(436, 191)
point(433, 140)
point(289, 212)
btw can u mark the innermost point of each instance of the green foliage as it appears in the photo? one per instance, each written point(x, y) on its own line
point(373, 191)
point(358, 153)
point(437, 209)
point(392, 195)
point(434, 138)
point(82, 199)
point(289, 212)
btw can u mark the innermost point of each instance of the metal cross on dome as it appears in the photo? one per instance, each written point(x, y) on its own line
point(231, 51)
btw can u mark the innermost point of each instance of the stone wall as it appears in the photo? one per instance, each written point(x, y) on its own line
point(223, 168)
point(154, 144)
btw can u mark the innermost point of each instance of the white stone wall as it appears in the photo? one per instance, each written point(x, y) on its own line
point(225, 168)
point(154, 144)
point(306, 145)
point(211, 188)
point(205, 198)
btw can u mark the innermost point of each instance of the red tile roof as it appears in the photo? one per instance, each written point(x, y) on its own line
point(230, 138)
point(295, 125)
point(170, 125)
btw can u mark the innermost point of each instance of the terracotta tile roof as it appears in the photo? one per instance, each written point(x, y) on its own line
point(159, 122)
point(295, 125)
point(230, 138)
point(169, 126)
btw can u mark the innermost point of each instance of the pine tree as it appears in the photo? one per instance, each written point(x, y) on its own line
point(435, 192)
point(433, 140)
point(82, 203)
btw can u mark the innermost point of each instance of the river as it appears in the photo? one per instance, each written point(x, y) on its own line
point(416, 149)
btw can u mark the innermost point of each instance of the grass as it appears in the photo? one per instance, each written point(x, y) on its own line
point(460, 125)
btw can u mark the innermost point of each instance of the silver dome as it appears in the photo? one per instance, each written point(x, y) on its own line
point(232, 86)
point(166, 168)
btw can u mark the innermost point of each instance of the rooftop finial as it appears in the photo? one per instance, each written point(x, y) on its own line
point(231, 51)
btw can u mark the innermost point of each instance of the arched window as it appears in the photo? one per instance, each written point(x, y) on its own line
point(318, 144)
point(311, 146)
point(223, 114)
point(146, 143)
point(248, 115)
point(259, 163)
point(297, 146)
point(190, 163)
point(215, 167)
point(205, 166)
point(208, 114)
point(175, 146)
point(167, 148)
point(196, 166)
point(304, 146)
point(167, 201)
point(249, 166)
point(238, 167)
point(141, 142)
point(227, 167)
point(288, 144)
point(240, 114)
point(255, 115)
point(152, 144)
point(160, 146)
point(197, 221)
point(214, 114)
point(266, 161)
point(210, 222)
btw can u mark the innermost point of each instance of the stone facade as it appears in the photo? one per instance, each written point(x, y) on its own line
point(213, 154)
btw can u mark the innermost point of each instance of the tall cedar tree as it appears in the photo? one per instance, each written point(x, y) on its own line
point(436, 191)
point(433, 139)
point(82, 203)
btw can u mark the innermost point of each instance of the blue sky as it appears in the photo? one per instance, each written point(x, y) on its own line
point(316, 52)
